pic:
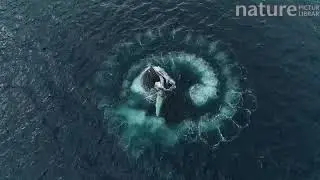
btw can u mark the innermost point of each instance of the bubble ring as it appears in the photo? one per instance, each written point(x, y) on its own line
point(217, 82)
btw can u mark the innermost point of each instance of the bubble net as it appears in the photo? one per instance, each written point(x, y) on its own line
point(211, 106)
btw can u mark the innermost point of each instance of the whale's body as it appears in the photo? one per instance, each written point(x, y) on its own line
point(154, 83)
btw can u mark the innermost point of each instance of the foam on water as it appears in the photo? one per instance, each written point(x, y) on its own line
point(209, 97)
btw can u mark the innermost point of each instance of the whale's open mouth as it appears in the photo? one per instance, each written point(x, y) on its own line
point(154, 84)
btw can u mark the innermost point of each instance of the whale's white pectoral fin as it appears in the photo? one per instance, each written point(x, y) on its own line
point(159, 102)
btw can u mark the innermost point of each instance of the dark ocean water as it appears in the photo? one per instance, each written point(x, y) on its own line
point(50, 123)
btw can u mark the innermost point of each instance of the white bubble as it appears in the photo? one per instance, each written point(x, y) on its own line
point(215, 92)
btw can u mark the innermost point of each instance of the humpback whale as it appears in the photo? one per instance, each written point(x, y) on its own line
point(155, 79)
